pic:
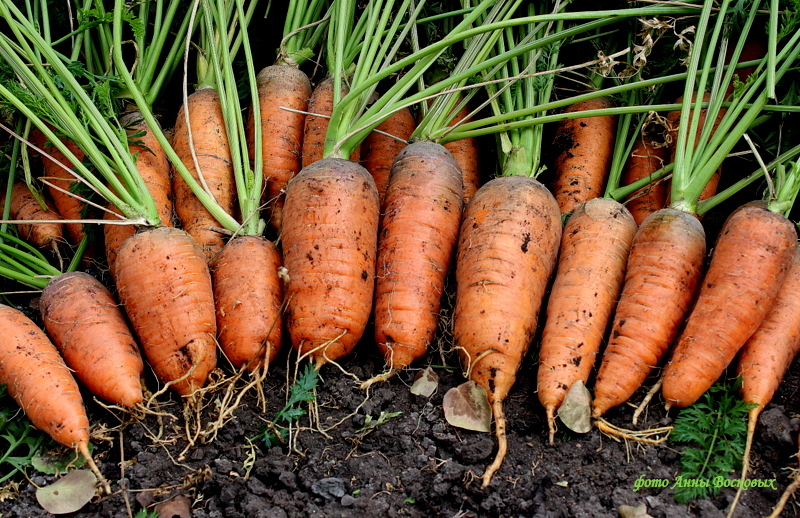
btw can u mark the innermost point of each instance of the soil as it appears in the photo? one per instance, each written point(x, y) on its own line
point(413, 465)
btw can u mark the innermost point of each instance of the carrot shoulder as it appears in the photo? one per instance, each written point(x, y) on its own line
point(506, 253)
point(594, 252)
point(47, 231)
point(382, 146)
point(467, 155)
point(85, 323)
point(418, 235)
point(330, 236)
point(750, 260)
point(645, 159)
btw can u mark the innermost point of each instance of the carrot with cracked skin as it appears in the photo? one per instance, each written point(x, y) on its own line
point(419, 230)
point(645, 159)
point(82, 318)
point(751, 258)
point(506, 252)
point(585, 146)
point(248, 296)
point(47, 232)
point(382, 146)
point(209, 142)
point(164, 284)
point(467, 155)
point(153, 166)
point(664, 268)
point(595, 244)
point(283, 96)
point(329, 242)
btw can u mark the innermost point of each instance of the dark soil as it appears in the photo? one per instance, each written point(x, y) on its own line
point(414, 465)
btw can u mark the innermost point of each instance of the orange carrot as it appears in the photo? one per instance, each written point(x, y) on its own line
point(664, 269)
point(153, 166)
point(506, 253)
point(24, 206)
point(751, 258)
point(210, 144)
point(88, 328)
point(645, 159)
point(164, 283)
point(280, 87)
point(594, 252)
point(380, 149)
point(248, 297)
point(329, 245)
point(59, 180)
point(467, 155)
point(321, 105)
point(419, 230)
point(585, 146)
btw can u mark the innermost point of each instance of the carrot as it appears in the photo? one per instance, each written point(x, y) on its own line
point(60, 180)
point(82, 318)
point(506, 253)
point(751, 257)
point(153, 166)
point(379, 150)
point(645, 159)
point(47, 232)
point(664, 268)
point(248, 297)
point(329, 248)
point(164, 283)
point(767, 355)
point(585, 146)
point(419, 230)
point(467, 155)
point(316, 125)
point(280, 87)
point(594, 251)
point(209, 144)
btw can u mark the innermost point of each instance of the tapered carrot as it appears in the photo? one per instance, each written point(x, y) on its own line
point(88, 328)
point(645, 159)
point(248, 297)
point(209, 146)
point(419, 230)
point(664, 269)
point(164, 283)
point(382, 146)
point(283, 94)
point(24, 206)
point(751, 258)
point(329, 245)
point(594, 252)
point(467, 155)
point(506, 253)
point(585, 146)
point(153, 166)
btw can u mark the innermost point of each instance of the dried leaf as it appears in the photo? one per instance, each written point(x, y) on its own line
point(176, 507)
point(640, 511)
point(467, 406)
point(425, 383)
point(69, 493)
point(576, 410)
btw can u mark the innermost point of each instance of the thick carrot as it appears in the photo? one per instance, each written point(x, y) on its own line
point(585, 146)
point(664, 269)
point(283, 93)
point(329, 241)
point(594, 250)
point(419, 230)
point(88, 328)
point(69, 207)
point(248, 295)
point(467, 155)
point(210, 144)
point(24, 206)
point(645, 159)
point(316, 125)
point(380, 149)
point(506, 253)
point(164, 283)
point(153, 166)
point(751, 258)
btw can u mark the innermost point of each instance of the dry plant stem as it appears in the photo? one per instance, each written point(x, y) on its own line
point(787, 493)
point(651, 436)
point(649, 396)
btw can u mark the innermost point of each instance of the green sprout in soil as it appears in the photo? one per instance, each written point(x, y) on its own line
point(302, 391)
point(716, 426)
